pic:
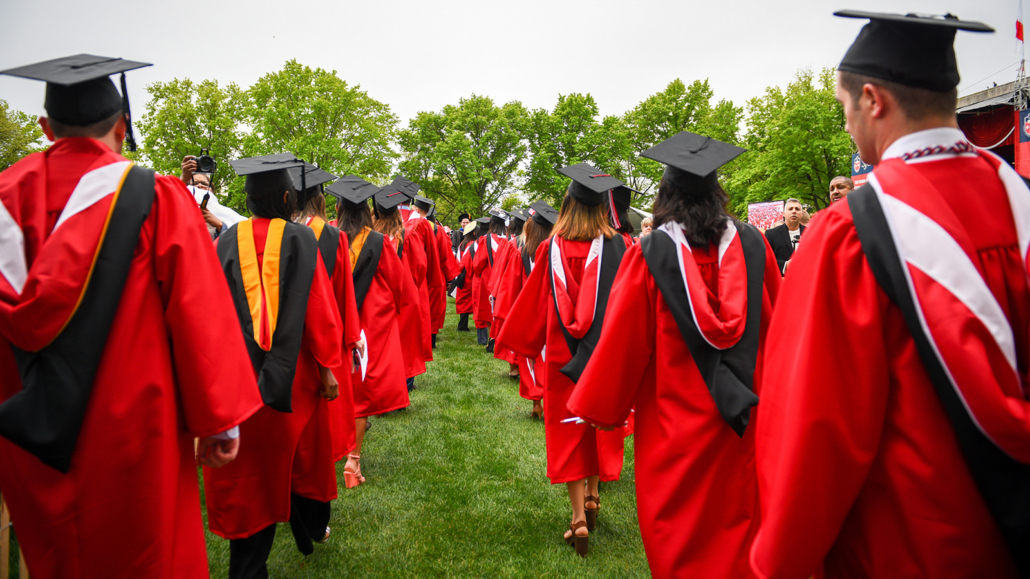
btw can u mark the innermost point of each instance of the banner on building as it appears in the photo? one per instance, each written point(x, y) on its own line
point(859, 170)
point(1022, 160)
point(764, 215)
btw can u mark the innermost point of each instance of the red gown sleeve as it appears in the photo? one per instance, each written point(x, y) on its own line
point(820, 415)
point(448, 263)
point(323, 328)
point(216, 383)
point(526, 330)
point(606, 391)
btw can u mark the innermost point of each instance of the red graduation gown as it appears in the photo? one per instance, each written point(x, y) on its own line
point(507, 252)
point(463, 301)
point(574, 451)
point(448, 271)
point(282, 455)
point(174, 368)
point(411, 316)
point(483, 270)
point(697, 497)
point(422, 256)
point(859, 468)
point(507, 286)
point(383, 388)
point(341, 410)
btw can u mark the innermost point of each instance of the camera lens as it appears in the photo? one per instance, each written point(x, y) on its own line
point(206, 164)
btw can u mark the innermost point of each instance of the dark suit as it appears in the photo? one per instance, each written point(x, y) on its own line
point(779, 241)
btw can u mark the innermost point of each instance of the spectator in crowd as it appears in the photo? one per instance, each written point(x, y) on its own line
point(840, 186)
point(200, 185)
point(784, 240)
point(458, 234)
point(645, 226)
point(805, 217)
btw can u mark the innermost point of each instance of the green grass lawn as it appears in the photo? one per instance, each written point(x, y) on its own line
point(457, 488)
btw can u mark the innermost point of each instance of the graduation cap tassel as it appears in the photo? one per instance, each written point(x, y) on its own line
point(130, 141)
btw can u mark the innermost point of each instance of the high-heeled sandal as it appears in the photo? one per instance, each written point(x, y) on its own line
point(537, 413)
point(591, 513)
point(581, 542)
point(352, 479)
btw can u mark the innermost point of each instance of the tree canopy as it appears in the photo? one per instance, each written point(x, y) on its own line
point(477, 154)
point(19, 135)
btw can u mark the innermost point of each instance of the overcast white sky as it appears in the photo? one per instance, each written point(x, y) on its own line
point(420, 55)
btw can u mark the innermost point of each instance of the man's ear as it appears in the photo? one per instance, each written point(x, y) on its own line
point(120, 128)
point(44, 124)
point(875, 99)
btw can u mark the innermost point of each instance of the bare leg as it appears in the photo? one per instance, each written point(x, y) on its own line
point(354, 464)
point(576, 490)
point(592, 490)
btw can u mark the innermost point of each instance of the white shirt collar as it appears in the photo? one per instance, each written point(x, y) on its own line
point(942, 136)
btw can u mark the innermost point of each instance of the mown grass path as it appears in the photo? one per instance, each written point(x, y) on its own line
point(457, 488)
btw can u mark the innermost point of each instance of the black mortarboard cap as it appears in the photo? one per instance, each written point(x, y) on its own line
point(78, 90)
point(910, 50)
point(588, 183)
point(352, 189)
point(543, 213)
point(424, 203)
point(463, 216)
point(267, 171)
point(498, 215)
point(404, 185)
point(484, 224)
point(308, 184)
point(692, 159)
point(387, 200)
point(520, 214)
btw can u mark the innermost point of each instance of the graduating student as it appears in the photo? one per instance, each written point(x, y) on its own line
point(480, 297)
point(506, 253)
point(461, 286)
point(379, 279)
point(448, 263)
point(291, 325)
point(491, 245)
point(513, 277)
point(423, 259)
point(681, 343)
point(562, 306)
point(334, 251)
point(108, 371)
point(898, 445)
point(387, 220)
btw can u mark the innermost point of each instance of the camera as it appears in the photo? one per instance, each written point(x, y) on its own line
point(205, 162)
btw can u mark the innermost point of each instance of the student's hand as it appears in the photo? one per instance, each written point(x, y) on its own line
point(216, 452)
point(360, 346)
point(330, 387)
point(211, 220)
point(604, 428)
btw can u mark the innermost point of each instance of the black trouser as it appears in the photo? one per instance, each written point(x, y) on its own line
point(463, 323)
point(248, 558)
point(434, 341)
point(490, 346)
point(308, 521)
point(483, 336)
point(410, 383)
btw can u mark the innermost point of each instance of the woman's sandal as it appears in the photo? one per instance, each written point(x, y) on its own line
point(352, 479)
point(592, 513)
point(537, 413)
point(581, 542)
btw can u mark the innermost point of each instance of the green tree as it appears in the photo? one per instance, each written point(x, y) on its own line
point(568, 135)
point(181, 118)
point(317, 116)
point(466, 155)
point(20, 135)
point(796, 142)
point(660, 116)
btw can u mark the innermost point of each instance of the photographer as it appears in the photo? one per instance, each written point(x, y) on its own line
point(217, 217)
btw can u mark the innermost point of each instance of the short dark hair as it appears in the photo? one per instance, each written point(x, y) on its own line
point(916, 103)
point(93, 130)
point(850, 183)
point(266, 199)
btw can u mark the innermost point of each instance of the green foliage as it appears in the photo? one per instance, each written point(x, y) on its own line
point(466, 155)
point(796, 142)
point(317, 116)
point(568, 135)
point(512, 202)
point(662, 115)
point(457, 487)
point(20, 135)
point(181, 118)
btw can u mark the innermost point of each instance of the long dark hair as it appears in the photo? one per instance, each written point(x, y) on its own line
point(390, 225)
point(467, 239)
point(265, 199)
point(535, 234)
point(698, 205)
point(515, 227)
point(353, 219)
point(496, 226)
